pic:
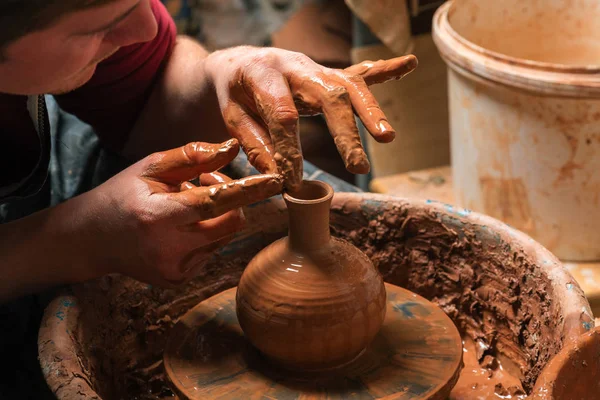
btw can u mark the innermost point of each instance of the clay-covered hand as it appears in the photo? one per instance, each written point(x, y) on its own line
point(262, 92)
point(154, 225)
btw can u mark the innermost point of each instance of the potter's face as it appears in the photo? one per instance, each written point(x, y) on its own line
point(64, 56)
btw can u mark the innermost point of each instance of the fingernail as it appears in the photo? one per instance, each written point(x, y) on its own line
point(357, 162)
point(384, 127)
point(387, 132)
point(412, 62)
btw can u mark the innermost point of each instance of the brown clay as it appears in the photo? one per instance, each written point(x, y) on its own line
point(574, 374)
point(415, 356)
point(486, 379)
point(310, 301)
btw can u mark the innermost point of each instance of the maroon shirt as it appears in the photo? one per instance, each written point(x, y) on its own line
point(110, 102)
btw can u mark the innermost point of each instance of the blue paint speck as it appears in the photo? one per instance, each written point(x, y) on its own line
point(404, 308)
point(588, 325)
point(569, 286)
point(259, 203)
point(68, 303)
point(60, 315)
point(463, 212)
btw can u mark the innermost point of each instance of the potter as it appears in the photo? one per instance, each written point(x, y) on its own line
point(163, 106)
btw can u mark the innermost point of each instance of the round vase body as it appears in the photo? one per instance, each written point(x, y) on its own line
point(310, 301)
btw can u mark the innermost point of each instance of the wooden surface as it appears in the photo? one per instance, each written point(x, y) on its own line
point(436, 184)
point(416, 355)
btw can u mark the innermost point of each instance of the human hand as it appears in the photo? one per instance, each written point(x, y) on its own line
point(263, 91)
point(149, 222)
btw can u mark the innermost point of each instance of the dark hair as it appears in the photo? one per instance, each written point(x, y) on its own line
point(20, 17)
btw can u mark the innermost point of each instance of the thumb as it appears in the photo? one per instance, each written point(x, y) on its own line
point(374, 72)
point(189, 161)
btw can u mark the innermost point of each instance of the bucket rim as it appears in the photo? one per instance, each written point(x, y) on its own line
point(537, 76)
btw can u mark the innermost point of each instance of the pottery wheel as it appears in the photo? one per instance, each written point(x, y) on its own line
point(416, 355)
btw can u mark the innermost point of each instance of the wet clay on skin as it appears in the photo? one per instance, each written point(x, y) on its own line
point(169, 172)
point(214, 200)
point(190, 160)
point(264, 117)
point(375, 72)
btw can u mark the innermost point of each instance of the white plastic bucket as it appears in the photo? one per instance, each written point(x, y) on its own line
point(524, 100)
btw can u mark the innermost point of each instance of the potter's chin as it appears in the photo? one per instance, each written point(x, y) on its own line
point(76, 81)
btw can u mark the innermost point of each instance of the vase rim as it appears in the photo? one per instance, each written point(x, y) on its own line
point(312, 192)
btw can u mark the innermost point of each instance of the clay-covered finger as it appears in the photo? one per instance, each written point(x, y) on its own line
point(187, 186)
point(339, 115)
point(209, 202)
point(187, 162)
point(275, 105)
point(374, 72)
point(253, 138)
point(368, 110)
point(213, 178)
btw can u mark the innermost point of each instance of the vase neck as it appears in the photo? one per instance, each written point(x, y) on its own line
point(309, 216)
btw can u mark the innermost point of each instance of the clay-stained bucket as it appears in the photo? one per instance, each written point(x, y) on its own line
point(524, 98)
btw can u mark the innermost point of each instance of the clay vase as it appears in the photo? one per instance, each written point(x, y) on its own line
point(310, 301)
